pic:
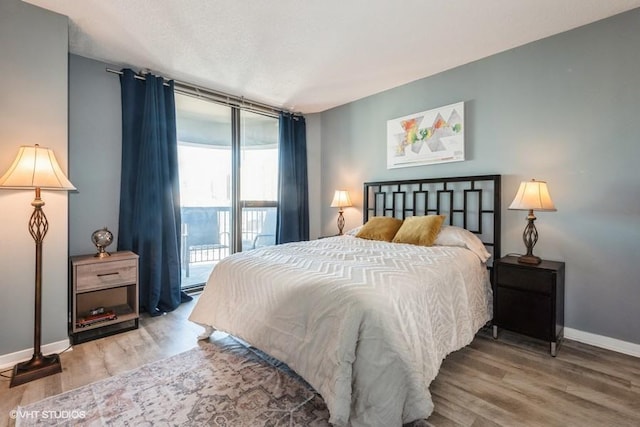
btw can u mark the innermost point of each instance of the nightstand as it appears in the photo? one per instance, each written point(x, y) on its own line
point(529, 299)
point(103, 295)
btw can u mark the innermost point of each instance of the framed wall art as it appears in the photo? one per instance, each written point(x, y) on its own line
point(429, 137)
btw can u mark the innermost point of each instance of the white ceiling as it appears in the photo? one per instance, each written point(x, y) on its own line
point(308, 56)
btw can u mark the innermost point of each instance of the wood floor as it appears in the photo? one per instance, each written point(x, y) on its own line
point(509, 382)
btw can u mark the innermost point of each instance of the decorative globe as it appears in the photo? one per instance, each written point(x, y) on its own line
point(102, 238)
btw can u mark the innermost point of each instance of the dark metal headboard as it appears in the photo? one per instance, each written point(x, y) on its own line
point(470, 202)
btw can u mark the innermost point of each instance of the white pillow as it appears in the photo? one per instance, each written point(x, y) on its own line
point(456, 236)
point(354, 231)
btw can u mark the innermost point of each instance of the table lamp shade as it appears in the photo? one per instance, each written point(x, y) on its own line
point(341, 199)
point(533, 195)
point(35, 167)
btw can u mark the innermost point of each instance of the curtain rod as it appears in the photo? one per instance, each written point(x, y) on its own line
point(220, 97)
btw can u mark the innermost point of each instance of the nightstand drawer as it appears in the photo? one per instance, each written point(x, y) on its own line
point(526, 313)
point(106, 274)
point(528, 280)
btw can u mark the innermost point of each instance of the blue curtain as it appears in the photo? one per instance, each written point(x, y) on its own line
point(149, 223)
point(293, 199)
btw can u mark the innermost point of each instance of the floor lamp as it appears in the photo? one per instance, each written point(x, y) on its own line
point(36, 168)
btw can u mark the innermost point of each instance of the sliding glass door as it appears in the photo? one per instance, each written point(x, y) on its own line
point(228, 162)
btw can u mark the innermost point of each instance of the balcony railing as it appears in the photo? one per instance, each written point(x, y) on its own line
point(206, 232)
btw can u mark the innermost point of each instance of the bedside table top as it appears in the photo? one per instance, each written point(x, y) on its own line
point(92, 259)
point(544, 265)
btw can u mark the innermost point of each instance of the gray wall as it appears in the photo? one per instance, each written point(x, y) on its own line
point(95, 148)
point(33, 110)
point(564, 109)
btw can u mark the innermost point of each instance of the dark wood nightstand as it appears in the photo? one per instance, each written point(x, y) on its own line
point(529, 299)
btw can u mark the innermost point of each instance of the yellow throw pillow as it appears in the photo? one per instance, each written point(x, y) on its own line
point(380, 228)
point(419, 230)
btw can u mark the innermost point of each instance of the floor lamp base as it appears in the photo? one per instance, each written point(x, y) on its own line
point(37, 367)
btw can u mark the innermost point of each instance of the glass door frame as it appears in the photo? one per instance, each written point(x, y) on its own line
point(237, 204)
point(236, 208)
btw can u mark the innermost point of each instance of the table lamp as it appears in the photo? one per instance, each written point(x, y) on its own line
point(341, 200)
point(532, 196)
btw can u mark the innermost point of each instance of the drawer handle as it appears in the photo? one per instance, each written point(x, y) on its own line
point(108, 274)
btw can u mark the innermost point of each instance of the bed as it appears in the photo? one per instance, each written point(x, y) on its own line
point(367, 323)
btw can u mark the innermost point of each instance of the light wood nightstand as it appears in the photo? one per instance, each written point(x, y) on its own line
point(103, 295)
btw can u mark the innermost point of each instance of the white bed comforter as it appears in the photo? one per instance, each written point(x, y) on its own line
point(366, 323)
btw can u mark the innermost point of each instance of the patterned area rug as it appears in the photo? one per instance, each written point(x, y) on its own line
point(219, 383)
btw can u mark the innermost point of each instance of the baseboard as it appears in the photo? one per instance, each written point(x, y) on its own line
point(9, 360)
point(603, 342)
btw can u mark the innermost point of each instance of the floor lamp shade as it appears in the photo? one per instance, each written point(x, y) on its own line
point(341, 200)
point(532, 196)
point(36, 168)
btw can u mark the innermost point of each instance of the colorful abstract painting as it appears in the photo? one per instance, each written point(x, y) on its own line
point(433, 136)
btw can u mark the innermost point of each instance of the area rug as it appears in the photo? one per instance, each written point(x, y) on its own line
point(218, 383)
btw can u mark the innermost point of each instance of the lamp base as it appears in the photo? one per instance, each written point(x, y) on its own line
point(529, 259)
point(38, 367)
point(340, 222)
